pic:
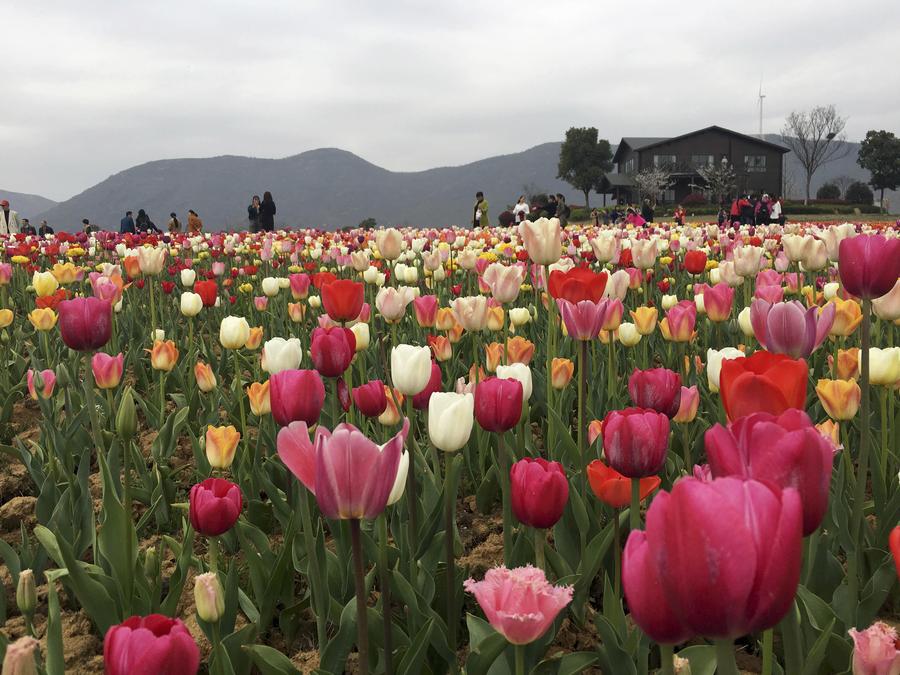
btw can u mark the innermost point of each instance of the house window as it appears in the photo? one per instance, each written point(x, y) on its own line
point(699, 161)
point(666, 197)
point(755, 163)
point(629, 166)
point(662, 161)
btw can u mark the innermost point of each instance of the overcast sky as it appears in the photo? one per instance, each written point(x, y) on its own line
point(90, 88)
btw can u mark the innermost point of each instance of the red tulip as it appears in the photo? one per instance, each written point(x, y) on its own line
point(894, 544)
point(498, 404)
point(577, 284)
point(150, 645)
point(420, 400)
point(332, 349)
point(370, 398)
point(539, 491)
point(787, 450)
point(215, 505)
point(695, 262)
point(321, 279)
point(762, 382)
point(343, 299)
point(85, 324)
point(869, 264)
point(167, 287)
point(656, 388)
point(208, 292)
point(614, 489)
point(296, 395)
point(718, 560)
point(635, 441)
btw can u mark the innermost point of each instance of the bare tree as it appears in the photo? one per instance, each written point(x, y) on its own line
point(652, 181)
point(719, 179)
point(843, 182)
point(816, 137)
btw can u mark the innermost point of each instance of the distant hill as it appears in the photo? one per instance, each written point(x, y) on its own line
point(334, 188)
point(28, 206)
point(326, 187)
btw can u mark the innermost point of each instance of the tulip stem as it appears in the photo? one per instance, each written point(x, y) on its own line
point(90, 402)
point(362, 629)
point(162, 397)
point(449, 512)
point(507, 499)
point(767, 652)
point(316, 582)
point(385, 587)
point(617, 562)
point(610, 378)
point(239, 392)
point(214, 554)
point(686, 448)
point(725, 663)
point(882, 395)
point(862, 475)
point(666, 659)
point(152, 307)
point(634, 513)
point(582, 385)
point(412, 497)
point(539, 540)
point(548, 442)
point(520, 659)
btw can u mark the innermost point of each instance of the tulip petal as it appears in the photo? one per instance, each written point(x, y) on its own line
point(298, 453)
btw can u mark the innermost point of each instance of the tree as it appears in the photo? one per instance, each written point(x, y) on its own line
point(843, 182)
point(652, 181)
point(816, 138)
point(720, 180)
point(859, 193)
point(880, 154)
point(828, 191)
point(583, 160)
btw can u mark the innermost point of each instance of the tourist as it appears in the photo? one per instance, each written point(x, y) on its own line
point(87, 228)
point(126, 225)
point(775, 213)
point(723, 214)
point(143, 222)
point(761, 211)
point(45, 229)
point(195, 225)
point(267, 212)
point(521, 209)
point(9, 219)
point(253, 214)
point(746, 210)
point(647, 211)
point(27, 227)
point(562, 210)
point(679, 215)
point(550, 206)
point(174, 224)
point(632, 217)
point(480, 216)
point(736, 212)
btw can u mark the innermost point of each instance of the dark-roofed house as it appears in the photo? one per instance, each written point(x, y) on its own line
point(757, 163)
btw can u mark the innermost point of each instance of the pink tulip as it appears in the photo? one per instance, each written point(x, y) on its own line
point(635, 441)
point(769, 277)
point(48, 380)
point(504, 281)
point(519, 603)
point(218, 268)
point(425, 307)
point(875, 650)
point(789, 328)
point(5, 273)
point(770, 294)
point(687, 408)
point(718, 559)
point(656, 388)
point(583, 320)
point(681, 320)
point(350, 475)
point(787, 450)
point(150, 645)
point(261, 302)
point(718, 300)
point(299, 285)
point(792, 282)
point(107, 369)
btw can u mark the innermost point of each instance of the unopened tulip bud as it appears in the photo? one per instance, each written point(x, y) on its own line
point(26, 594)
point(62, 376)
point(208, 597)
point(126, 417)
point(151, 563)
point(19, 659)
point(669, 301)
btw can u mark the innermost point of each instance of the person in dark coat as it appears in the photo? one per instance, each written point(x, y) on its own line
point(647, 211)
point(45, 229)
point(143, 222)
point(267, 212)
point(126, 225)
point(253, 213)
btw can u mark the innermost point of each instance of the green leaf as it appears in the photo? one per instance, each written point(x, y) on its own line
point(612, 650)
point(334, 656)
point(817, 653)
point(568, 664)
point(116, 540)
point(270, 661)
point(412, 661)
point(55, 662)
point(486, 655)
point(702, 659)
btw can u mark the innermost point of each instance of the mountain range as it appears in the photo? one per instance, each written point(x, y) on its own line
point(332, 188)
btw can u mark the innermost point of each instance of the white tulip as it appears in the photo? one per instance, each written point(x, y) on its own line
point(191, 303)
point(279, 354)
point(188, 277)
point(520, 372)
point(271, 286)
point(450, 420)
point(628, 334)
point(361, 331)
point(234, 332)
point(714, 360)
point(410, 368)
point(744, 322)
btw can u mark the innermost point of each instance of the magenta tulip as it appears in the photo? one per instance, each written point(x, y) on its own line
point(296, 395)
point(215, 505)
point(370, 398)
point(635, 441)
point(869, 264)
point(150, 645)
point(350, 475)
point(789, 328)
point(583, 320)
point(85, 324)
point(787, 450)
point(658, 389)
point(539, 491)
point(332, 349)
point(717, 301)
point(722, 559)
point(498, 404)
point(420, 400)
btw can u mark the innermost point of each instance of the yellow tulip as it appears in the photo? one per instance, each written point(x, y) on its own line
point(645, 319)
point(44, 283)
point(255, 338)
point(43, 318)
point(221, 443)
point(847, 317)
point(6, 317)
point(840, 398)
point(260, 403)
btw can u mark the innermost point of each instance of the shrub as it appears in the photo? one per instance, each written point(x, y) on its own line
point(828, 191)
point(579, 214)
point(369, 223)
point(693, 199)
point(506, 218)
point(859, 193)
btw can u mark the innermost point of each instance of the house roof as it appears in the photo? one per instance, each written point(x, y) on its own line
point(644, 143)
point(611, 180)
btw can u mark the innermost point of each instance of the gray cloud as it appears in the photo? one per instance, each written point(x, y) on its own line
point(94, 87)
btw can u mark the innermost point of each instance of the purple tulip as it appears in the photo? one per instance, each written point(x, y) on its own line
point(85, 324)
point(869, 264)
point(789, 328)
point(656, 388)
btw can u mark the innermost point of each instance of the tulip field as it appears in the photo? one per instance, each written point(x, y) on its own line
point(497, 451)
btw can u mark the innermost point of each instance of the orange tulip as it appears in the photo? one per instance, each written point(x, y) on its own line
point(221, 443)
point(561, 371)
point(258, 393)
point(164, 355)
point(848, 364)
point(645, 319)
point(495, 318)
point(391, 414)
point(493, 356)
point(614, 489)
point(255, 339)
point(206, 378)
point(830, 430)
point(840, 398)
point(519, 350)
point(132, 266)
point(595, 429)
point(296, 311)
point(444, 319)
point(455, 333)
point(847, 317)
point(440, 347)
